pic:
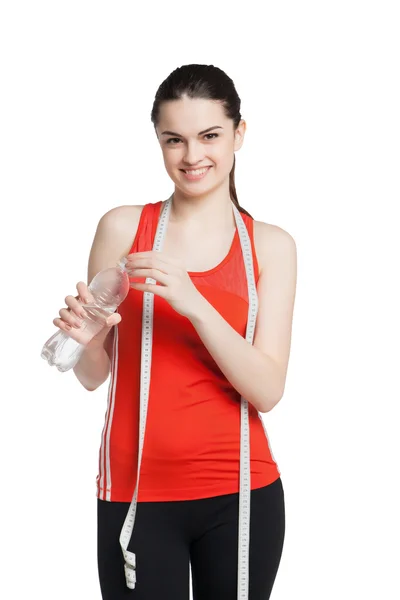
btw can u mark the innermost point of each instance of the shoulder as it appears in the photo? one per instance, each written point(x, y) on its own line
point(124, 214)
point(122, 221)
point(273, 243)
point(113, 238)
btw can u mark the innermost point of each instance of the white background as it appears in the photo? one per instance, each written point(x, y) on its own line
point(319, 83)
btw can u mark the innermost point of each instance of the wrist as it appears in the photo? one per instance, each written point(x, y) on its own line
point(200, 311)
point(94, 348)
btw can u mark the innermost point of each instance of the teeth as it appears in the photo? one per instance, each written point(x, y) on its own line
point(197, 172)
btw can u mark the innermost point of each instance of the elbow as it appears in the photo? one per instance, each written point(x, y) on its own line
point(90, 389)
point(267, 404)
point(270, 406)
point(272, 390)
point(93, 389)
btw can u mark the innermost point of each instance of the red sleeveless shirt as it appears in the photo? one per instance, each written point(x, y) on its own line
point(192, 440)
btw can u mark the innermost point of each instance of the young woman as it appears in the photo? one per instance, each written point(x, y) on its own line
point(187, 503)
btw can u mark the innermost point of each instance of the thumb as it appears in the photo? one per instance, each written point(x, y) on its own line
point(112, 320)
point(99, 338)
point(102, 334)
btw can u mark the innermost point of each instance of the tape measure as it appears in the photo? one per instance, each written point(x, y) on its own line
point(145, 371)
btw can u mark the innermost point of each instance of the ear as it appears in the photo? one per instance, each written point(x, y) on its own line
point(239, 134)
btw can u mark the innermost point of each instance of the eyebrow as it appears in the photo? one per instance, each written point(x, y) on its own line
point(200, 132)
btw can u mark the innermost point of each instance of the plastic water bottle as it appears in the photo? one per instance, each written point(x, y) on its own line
point(109, 288)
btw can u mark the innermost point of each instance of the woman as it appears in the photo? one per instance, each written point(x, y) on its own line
point(187, 503)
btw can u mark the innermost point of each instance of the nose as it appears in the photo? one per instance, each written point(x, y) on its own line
point(194, 154)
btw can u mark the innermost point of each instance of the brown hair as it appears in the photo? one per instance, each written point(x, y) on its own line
point(209, 83)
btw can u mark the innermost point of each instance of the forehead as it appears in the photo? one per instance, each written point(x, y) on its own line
point(188, 116)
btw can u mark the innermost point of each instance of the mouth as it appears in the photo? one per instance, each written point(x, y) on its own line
point(195, 174)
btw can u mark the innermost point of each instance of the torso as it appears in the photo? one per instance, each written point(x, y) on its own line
point(200, 254)
point(190, 395)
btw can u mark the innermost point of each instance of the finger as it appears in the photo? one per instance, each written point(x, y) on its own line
point(102, 334)
point(61, 324)
point(156, 274)
point(85, 294)
point(163, 256)
point(75, 306)
point(116, 318)
point(70, 317)
point(113, 320)
point(172, 260)
point(168, 268)
point(154, 258)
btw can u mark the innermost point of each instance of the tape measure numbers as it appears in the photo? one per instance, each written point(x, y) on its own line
point(145, 371)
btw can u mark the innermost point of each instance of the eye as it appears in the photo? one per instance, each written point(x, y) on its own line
point(177, 139)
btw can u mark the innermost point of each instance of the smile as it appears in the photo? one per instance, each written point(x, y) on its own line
point(194, 174)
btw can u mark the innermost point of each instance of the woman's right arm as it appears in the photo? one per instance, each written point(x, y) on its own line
point(113, 240)
point(93, 368)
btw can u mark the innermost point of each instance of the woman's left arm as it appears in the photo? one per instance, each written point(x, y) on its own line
point(258, 371)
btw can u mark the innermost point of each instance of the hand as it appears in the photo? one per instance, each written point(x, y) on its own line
point(176, 286)
point(72, 317)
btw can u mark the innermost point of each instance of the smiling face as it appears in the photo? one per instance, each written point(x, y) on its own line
point(195, 135)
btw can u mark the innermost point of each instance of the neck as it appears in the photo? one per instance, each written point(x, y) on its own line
point(211, 211)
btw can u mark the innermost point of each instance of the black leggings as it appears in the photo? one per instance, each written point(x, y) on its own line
point(171, 537)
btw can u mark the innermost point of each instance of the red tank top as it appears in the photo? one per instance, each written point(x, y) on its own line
point(192, 440)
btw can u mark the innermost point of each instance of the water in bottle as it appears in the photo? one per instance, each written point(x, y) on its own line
point(109, 288)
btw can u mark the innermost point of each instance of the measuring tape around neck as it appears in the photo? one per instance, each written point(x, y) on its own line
point(146, 356)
